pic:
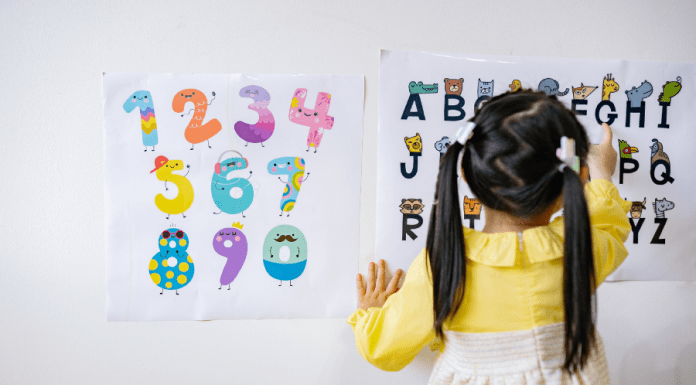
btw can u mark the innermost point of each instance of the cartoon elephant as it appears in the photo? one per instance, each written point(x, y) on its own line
point(550, 87)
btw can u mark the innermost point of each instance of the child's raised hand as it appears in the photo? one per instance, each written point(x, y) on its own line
point(375, 294)
point(602, 158)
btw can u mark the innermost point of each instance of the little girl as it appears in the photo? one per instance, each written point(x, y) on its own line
point(512, 304)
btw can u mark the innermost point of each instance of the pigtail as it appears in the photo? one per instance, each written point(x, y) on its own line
point(445, 242)
point(578, 274)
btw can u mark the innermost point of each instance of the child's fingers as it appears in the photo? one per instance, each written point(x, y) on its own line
point(371, 278)
point(361, 287)
point(394, 282)
point(608, 135)
point(380, 275)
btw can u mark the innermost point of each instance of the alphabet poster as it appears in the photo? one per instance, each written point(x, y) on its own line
point(231, 196)
point(651, 107)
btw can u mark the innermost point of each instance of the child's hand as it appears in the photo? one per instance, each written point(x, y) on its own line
point(602, 158)
point(375, 295)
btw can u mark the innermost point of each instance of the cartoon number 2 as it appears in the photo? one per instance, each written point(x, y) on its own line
point(196, 131)
point(317, 119)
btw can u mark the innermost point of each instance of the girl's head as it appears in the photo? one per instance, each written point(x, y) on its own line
point(510, 165)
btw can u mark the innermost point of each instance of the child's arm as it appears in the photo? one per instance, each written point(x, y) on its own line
point(608, 220)
point(389, 337)
point(609, 225)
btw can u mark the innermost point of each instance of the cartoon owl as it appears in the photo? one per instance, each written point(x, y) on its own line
point(411, 206)
point(414, 144)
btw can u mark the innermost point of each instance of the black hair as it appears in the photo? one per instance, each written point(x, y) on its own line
point(510, 165)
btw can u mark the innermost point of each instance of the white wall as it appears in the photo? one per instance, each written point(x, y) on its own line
point(52, 271)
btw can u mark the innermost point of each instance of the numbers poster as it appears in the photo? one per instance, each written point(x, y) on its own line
point(651, 107)
point(232, 196)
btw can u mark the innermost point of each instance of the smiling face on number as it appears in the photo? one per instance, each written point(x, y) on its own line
point(173, 242)
point(285, 244)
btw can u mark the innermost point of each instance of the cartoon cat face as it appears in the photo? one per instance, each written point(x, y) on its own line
point(454, 86)
point(411, 206)
point(414, 144)
point(472, 206)
point(582, 92)
point(485, 88)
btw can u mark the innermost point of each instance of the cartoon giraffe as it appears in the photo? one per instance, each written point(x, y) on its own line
point(317, 119)
point(184, 198)
point(196, 131)
point(609, 86)
point(148, 123)
point(294, 169)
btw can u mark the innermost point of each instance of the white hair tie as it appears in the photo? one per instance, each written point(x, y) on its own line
point(465, 133)
point(566, 154)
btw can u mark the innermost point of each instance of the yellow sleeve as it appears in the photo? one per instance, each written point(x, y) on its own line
point(390, 337)
point(610, 226)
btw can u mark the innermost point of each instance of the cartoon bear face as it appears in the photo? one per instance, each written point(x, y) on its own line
point(411, 206)
point(414, 144)
point(454, 86)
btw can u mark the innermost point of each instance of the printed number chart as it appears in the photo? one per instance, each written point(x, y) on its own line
point(425, 97)
point(232, 196)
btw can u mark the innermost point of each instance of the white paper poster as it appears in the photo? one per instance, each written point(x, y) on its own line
point(232, 196)
point(651, 107)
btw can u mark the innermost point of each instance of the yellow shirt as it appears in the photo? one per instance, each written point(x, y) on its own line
point(506, 289)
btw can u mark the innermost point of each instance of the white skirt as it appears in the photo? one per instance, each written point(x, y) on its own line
point(533, 356)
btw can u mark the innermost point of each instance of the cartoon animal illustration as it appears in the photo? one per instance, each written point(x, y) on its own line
point(285, 253)
point(550, 87)
point(317, 119)
point(485, 89)
point(293, 168)
point(582, 92)
point(184, 198)
point(636, 95)
point(656, 152)
point(263, 129)
point(453, 86)
point(442, 145)
point(231, 243)
point(662, 205)
point(414, 144)
point(637, 208)
point(625, 150)
point(411, 206)
point(670, 90)
point(609, 86)
point(196, 131)
point(172, 268)
point(515, 86)
point(420, 88)
point(472, 206)
point(148, 123)
point(231, 195)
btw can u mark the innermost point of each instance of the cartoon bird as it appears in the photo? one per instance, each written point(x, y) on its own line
point(184, 198)
point(231, 243)
point(263, 129)
point(285, 253)
point(625, 150)
point(657, 153)
point(172, 268)
point(515, 86)
point(148, 123)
